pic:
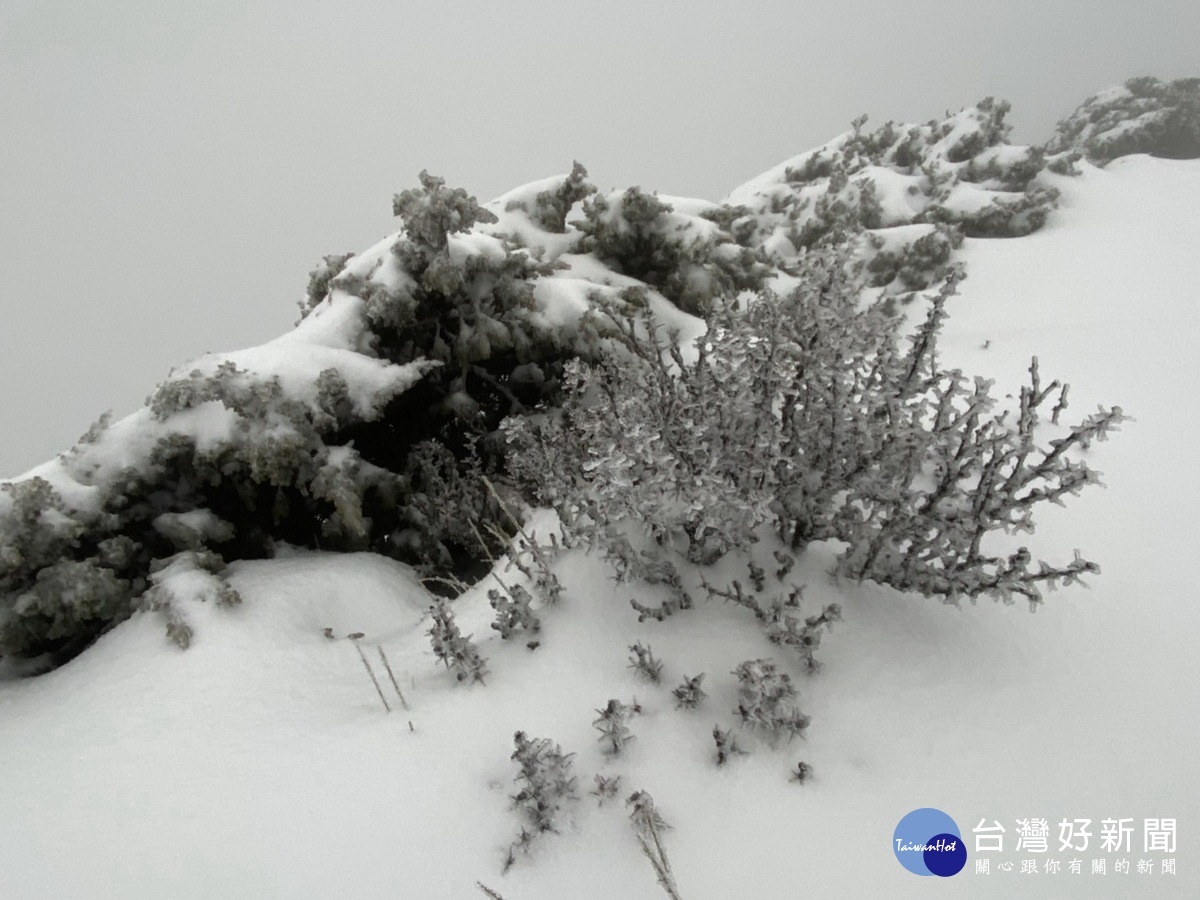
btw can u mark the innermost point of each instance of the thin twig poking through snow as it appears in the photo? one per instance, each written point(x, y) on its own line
point(395, 684)
point(546, 579)
point(375, 681)
point(491, 892)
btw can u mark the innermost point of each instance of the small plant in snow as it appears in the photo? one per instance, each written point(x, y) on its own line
point(758, 576)
point(546, 789)
point(785, 630)
point(452, 647)
point(689, 694)
point(513, 611)
point(766, 700)
point(727, 745)
point(613, 727)
point(802, 772)
point(648, 827)
point(644, 663)
point(606, 788)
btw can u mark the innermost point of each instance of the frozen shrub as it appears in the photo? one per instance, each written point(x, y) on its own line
point(737, 221)
point(525, 552)
point(630, 563)
point(812, 412)
point(459, 310)
point(1005, 216)
point(454, 648)
point(97, 429)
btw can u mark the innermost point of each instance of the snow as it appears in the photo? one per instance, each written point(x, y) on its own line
point(260, 762)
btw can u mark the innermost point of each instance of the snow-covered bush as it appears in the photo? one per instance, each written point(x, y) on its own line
point(897, 186)
point(318, 280)
point(551, 206)
point(189, 576)
point(916, 266)
point(365, 428)
point(1144, 115)
point(811, 412)
point(69, 602)
point(689, 259)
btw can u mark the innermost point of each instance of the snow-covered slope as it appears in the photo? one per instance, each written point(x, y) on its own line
point(260, 763)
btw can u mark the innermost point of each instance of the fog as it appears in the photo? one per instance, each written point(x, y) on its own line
point(169, 173)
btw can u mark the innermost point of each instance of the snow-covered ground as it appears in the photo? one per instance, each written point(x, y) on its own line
point(260, 763)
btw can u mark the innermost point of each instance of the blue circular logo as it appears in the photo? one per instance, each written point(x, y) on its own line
point(928, 842)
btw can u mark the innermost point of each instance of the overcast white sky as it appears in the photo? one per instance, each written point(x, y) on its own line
point(170, 172)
